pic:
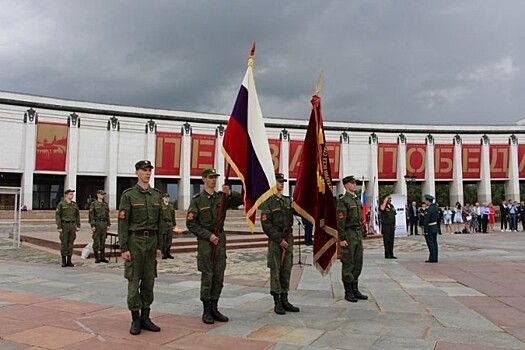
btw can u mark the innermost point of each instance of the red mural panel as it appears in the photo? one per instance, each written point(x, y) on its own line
point(471, 161)
point(521, 161)
point(51, 146)
point(275, 151)
point(443, 161)
point(416, 159)
point(295, 158)
point(499, 161)
point(167, 155)
point(333, 149)
point(387, 161)
point(202, 153)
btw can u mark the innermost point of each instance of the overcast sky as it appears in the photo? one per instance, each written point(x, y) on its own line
point(399, 61)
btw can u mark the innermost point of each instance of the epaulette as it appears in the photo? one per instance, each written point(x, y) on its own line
point(127, 190)
point(196, 196)
point(156, 189)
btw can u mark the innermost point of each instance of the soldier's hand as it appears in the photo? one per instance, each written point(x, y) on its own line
point(214, 239)
point(126, 255)
point(77, 229)
point(284, 244)
point(343, 244)
point(93, 229)
point(226, 189)
point(158, 253)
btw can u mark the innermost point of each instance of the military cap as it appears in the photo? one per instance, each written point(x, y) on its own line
point(279, 177)
point(101, 192)
point(348, 179)
point(69, 190)
point(429, 197)
point(143, 164)
point(165, 195)
point(209, 173)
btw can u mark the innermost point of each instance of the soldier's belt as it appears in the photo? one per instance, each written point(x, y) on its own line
point(144, 233)
point(432, 223)
point(68, 222)
point(104, 220)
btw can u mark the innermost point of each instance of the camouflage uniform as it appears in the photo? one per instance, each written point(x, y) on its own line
point(168, 219)
point(350, 229)
point(67, 218)
point(388, 227)
point(100, 221)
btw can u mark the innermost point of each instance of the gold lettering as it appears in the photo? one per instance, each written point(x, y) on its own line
point(410, 166)
point(295, 158)
point(274, 151)
point(471, 156)
point(158, 156)
point(521, 166)
point(176, 146)
point(443, 160)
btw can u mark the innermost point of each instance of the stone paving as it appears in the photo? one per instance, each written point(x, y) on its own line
point(474, 298)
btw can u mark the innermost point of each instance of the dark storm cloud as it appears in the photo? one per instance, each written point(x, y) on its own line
point(401, 61)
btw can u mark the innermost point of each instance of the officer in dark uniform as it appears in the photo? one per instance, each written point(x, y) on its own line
point(100, 223)
point(430, 225)
point(277, 222)
point(168, 217)
point(139, 232)
point(388, 226)
point(67, 218)
point(351, 233)
point(203, 221)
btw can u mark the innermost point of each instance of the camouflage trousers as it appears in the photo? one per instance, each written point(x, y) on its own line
point(280, 274)
point(99, 236)
point(141, 271)
point(67, 238)
point(212, 273)
point(352, 258)
point(167, 238)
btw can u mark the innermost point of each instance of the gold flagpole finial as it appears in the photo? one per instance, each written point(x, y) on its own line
point(251, 58)
point(320, 84)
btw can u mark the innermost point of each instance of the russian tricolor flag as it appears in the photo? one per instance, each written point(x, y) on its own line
point(246, 148)
point(365, 204)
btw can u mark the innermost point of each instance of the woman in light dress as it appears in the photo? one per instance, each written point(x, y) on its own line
point(457, 217)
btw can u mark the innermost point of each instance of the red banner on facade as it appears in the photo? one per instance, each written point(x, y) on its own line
point(296, 147)
point(275, 151)
point(443, 162)
point(51, 146)
point(202, 153)
point(387, 161)
point(521, 161)
point(499, 161)
point(333, 149)
point(416, 159)
point(168, 153)
point(471, 161)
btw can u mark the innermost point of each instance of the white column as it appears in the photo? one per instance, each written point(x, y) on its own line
point(219, 157)
point(112, 162)
point(400, 185)
point(429, 185)
point(456, 186)
point(185, 167)
point(374, 171)
point(344, 161)
point(284, 159)
point(151, 143)
point(72, 152)
point(484, 188)
point(512, 185)
point(30, 119)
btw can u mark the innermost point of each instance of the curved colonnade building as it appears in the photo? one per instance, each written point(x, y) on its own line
point(51, 144)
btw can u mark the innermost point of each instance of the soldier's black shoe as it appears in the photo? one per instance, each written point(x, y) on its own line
point(145, 322)
point(103, 257)
point(356, 291)
point(69, 263)
point(164, 257)
point(349, 294)
point(278, 304)
point(135, 323)
point(64, 264)
point(97, 257)
point(206, 313)
point(170, 257)
point(286, 304)
point(216, 314)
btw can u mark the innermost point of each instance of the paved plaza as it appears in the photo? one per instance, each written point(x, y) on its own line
point(474, 298)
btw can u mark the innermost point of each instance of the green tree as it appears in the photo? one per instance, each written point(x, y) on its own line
point(470, 192)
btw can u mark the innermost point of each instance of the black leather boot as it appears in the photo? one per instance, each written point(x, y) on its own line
point(135, 323)
point(356, 291)
point(286, 304)
point(215, 313)
point(349, 294)
point(278, 304)
point(97, 257)
point(145, 322)
point(64, 264)
point(206, 314)
point(69, 263)
point(103, 256)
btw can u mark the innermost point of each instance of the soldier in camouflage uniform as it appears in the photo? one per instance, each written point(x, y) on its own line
point(168, 218)
point(277, 222)
point(350, 230)
point(100, 223)
point(139, 232)
point(67, 218)
point(202, 220)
